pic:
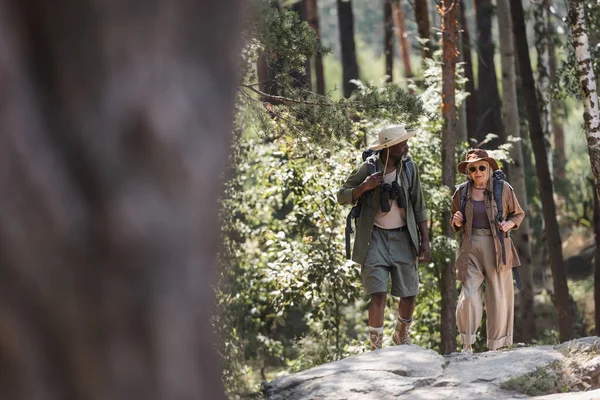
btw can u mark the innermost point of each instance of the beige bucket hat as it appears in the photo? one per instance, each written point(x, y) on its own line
point(390, 136)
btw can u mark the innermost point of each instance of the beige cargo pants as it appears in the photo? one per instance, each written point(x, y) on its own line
point(499, 295)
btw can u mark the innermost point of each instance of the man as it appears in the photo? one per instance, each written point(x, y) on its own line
point(387, 231)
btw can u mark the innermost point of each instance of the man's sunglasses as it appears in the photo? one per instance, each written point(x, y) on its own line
point(481, 168)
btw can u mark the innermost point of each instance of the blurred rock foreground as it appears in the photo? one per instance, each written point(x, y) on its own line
point(411, 372)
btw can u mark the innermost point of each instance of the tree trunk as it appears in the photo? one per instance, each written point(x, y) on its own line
point(107, 218)
point(591, 117)
point(587, 82)
point(313, 19)
point(544, 89)
point(511, 121)
point(558, 111)
point(471, 100)
point(565, 324)
point(423, 26)
point(489, 113)
point(349, 64)
point(597, 261)
point(450, 56)
point(388, 40)
point(401, 36)
point(302, 79)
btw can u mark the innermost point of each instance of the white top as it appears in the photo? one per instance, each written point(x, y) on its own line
point(396, 217)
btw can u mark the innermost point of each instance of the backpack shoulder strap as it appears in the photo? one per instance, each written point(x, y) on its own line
point(372, 162)
point(463, 197)
point(498, 183)
point(498, 188)
point(409, 168)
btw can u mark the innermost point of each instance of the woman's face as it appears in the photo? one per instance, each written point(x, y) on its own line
point(479, 172)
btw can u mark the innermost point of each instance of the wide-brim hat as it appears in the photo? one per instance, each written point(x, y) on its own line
point(475, 155)
point(390, 136)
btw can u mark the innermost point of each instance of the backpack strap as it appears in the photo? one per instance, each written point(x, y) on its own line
point(371, 160)
point(463, 199)
point(498, 187)
point(372, 163)
point(348, 231)
point(409, 169)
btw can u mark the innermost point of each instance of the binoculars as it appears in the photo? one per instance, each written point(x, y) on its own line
point(390, 192)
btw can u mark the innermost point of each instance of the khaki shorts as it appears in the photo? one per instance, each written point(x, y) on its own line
point(390, 254)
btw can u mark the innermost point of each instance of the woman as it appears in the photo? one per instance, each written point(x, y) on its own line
point(479, 257)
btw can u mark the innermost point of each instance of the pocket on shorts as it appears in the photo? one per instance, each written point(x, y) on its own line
point(372, 256)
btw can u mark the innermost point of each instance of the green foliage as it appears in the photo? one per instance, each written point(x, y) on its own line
point(287, 298)
point(542, 381)
point(286, 43)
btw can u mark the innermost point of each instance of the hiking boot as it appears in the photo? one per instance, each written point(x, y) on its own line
point(376, 340)
point(402, 330)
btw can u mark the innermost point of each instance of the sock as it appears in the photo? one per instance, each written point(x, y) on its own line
point(379, 330)
point(406, 321)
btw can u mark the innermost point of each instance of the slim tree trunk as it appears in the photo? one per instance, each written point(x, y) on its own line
point(558, 111)
point(597, 260)
point(544, 89)
point(388, 40)
point(107, 218)
point(349, 63)
point(510, 115)
point(489, 113)
point(449, 44)
point(591, 116)
point(565, 322)
point(423, 25)
point(401, 36)
point(313, 19)
point(587, 82)
point(471, 100)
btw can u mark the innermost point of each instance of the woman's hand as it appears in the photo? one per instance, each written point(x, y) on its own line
point(457, 219)
point(506, 226)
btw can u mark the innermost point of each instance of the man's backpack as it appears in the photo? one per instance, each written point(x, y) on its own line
point(370, 156)
point(498, 186)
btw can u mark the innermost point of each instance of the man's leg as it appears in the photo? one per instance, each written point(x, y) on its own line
point(376, 316)
point(375, 274)
point(405, 284)
point(377, 309)
point(406, 308)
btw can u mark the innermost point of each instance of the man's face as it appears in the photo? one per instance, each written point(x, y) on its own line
point(399, 150)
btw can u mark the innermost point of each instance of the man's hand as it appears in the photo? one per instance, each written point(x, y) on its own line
point(424, 252)
point(457, 219)
point(506, 226)
point(373, 181)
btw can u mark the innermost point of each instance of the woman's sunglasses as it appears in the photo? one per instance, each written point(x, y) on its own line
point(481, 168)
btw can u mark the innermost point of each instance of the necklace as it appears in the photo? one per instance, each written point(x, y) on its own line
point(483, 188)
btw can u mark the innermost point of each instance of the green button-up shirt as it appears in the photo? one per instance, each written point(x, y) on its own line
point(416, 211)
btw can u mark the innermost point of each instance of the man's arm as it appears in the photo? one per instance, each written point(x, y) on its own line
point(421, 216)
point(357, 184)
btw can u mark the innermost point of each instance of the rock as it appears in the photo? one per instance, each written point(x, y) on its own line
point(411, 372)
point(385, 374)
